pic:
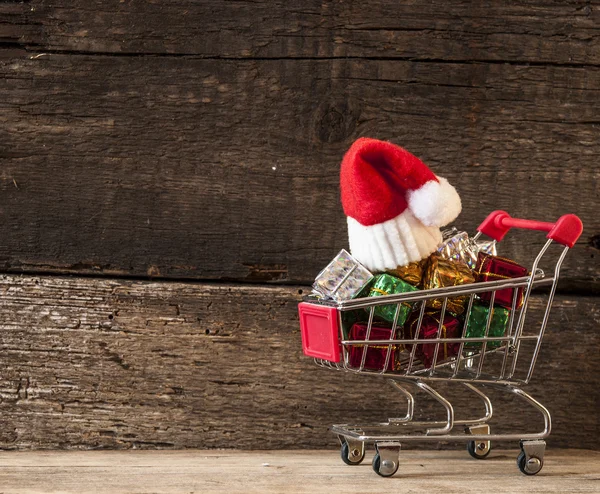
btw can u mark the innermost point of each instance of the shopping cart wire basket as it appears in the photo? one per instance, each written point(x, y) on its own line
point(490, 361)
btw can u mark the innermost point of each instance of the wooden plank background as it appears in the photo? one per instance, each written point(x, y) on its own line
point(144, 144)
point(114, 363)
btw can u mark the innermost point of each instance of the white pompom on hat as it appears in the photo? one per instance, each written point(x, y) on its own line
point(394, 203)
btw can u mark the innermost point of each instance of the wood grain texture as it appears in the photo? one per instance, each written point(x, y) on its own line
point(228, 169)
point(563, 32)
point(94, 363)
point(202, 140)
point(265, 472)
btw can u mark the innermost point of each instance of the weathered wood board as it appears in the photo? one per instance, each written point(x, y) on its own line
point(215, 169)
point(201, 141)
point(273, 472)
point(92, 363)
point(558, 32)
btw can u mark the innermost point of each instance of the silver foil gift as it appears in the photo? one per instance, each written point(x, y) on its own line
point(459, 247)
point(342, 279)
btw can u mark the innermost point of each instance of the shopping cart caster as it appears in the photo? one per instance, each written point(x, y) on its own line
point(385, 461)
point(531, 458)
point(479, 449)
point(352, 452)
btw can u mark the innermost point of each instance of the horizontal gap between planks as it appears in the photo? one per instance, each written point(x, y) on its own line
point(158, 279)
point(584, 288)
point(39, 51)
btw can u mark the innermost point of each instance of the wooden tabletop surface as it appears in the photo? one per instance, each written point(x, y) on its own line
point(193, 471)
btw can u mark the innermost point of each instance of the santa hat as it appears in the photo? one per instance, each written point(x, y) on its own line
point(394, 203)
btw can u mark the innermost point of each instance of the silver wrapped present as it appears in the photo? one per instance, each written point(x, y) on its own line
point(458, 246)
point(342, 279)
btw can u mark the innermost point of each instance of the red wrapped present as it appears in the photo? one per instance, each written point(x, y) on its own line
point(451, 328)
point(493, 268)
point(376, 354)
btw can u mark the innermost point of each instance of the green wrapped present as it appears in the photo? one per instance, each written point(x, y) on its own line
point(385, 284)
point(478, 321)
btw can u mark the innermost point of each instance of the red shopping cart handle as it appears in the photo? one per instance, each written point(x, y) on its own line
point(565, 231)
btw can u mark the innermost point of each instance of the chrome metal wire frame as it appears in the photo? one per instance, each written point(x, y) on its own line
point(522, 315)
point(449, 409)
point(472, 374)
point(510, 343)
point(410, 406)
point(441, 431)
point(449, 291)
point(536, 351)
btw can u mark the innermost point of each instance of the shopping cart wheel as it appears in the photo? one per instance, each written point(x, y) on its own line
point(353, 452)
point(531, 466)
point(479, 449)
point(385, 461)
point(531, 458)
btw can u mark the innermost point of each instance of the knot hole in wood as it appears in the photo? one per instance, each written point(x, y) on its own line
point(335, 121)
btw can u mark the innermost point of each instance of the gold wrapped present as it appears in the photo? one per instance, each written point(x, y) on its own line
point(411, 273)
point(443, 273)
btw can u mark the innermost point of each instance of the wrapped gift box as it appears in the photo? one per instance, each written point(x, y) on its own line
point(376, 354)
point(412, 273)
point(451, 328)
point(385, 284)
point(443, 273)
point(477, 322)
point(342, 279)
point(457, 246)
point(494, 268)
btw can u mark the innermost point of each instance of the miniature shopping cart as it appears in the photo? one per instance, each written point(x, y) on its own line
point(480, 363)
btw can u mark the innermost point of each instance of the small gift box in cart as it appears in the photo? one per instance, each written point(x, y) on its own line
point(490, 344)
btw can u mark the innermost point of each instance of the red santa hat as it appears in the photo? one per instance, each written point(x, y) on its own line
point(394, 203)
